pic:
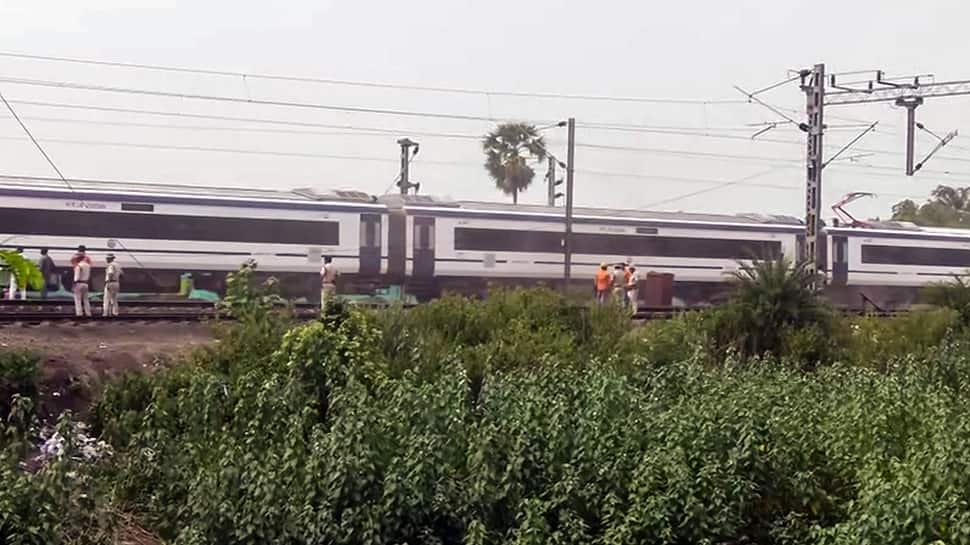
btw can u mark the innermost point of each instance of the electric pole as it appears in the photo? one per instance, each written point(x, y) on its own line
point(405, 178)
point(570, 166)
point(813, 84)
point(907, 94)
point(910, 103)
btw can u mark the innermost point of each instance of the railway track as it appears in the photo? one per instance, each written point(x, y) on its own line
point(35, 312)
point(130, 311)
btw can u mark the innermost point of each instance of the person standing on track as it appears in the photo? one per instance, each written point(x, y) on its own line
point(602, 283)
point(49, 271)
point(618, 279)
point(82, 280)
point(112, 285)
point(633, 287)
point(328, 281)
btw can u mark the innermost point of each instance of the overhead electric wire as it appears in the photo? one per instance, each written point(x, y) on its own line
point(338, 129)
point(633, 127)
point(243, 151)
point(378, 85)
point(253, 101)
point(752, 158)
point(680, 179)
point(719, 186)
point(379, 130)
point(659, 129)
point(34, 140)
point(258, 120)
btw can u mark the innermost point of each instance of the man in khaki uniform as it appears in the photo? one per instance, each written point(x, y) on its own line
point(328, 281)
point(633, 288)
point(112, 285)
point(82, 281)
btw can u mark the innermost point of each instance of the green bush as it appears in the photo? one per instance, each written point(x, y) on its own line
point(511, 328)
point(771, 299)
point(528, 420)
point(954, 295)
point(874, 341)
point(19, 373)
point(674, 340)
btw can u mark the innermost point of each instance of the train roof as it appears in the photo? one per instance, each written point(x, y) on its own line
point(449, 207)
point(901, 229)
point(94, 188)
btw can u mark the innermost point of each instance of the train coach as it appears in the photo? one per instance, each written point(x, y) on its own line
point(463, 246)
point(162, 231)
point(431, 246)
point(887, 263)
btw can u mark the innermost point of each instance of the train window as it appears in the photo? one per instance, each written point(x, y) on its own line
point(423, 236)
point(916, 255)
point(503, 240)
point(370, 232)
point(165, 226)
point(137, 207)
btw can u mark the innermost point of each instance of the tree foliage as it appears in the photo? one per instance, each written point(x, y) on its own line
point(527, 419)
point(953, 294)
point(775, 303)
point(508, 150)
point(25, 271)
point(947, 207)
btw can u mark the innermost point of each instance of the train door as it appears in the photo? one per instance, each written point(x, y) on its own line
point(370, 245)
point(840, 260)
point(423, 248)
point(396, 246)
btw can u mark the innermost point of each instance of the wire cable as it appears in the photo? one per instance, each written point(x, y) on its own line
point(257, 120)
point(244, 151)
point(240, 100)
point(36, 143)
point(340, 130)
point(378, 85)
point(717, 187)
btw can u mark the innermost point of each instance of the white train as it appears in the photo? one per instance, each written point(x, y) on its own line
point(159, 232)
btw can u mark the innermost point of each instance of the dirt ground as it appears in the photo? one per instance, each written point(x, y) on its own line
point(78, 359)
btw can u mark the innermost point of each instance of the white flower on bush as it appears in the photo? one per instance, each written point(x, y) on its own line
point(86, 448)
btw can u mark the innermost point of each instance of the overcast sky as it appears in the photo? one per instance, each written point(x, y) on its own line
point(663, 50)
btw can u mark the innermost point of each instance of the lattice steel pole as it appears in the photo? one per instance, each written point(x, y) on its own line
point(813, 83)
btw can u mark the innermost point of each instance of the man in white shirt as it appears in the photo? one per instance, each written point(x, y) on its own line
point(328, 281)
point(82, 281)
point(112, 285)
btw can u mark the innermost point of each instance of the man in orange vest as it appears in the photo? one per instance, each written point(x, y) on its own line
point(603, 282)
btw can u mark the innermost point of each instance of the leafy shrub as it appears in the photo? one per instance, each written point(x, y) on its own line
point(481, 423)
point(24, 270)
point(875, 341)
point(771, 301)
point(259, 315)
point(505, 331)
point(954, 294)
point(19, 373)
point(677, 339)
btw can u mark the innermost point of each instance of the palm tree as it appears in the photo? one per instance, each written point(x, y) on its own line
point(956, 198)
point(507, 151)
point(770, 296)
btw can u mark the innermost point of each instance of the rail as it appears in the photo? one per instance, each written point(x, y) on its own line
point(63, 311)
